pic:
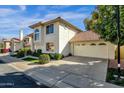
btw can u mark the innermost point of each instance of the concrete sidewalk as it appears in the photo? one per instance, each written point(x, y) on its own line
point(54, 77)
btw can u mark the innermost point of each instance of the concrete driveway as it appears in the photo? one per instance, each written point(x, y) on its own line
point(93, 68)
point(78, 72)
point(70, 72)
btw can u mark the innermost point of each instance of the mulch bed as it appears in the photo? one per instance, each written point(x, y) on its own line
point(114, 63)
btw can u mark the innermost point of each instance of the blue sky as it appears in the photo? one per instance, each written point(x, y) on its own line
point(12, 18)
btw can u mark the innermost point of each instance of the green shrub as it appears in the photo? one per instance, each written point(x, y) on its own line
point(21, 53)
point(29, 52)
point(58, 56)
point(1, 50)
point(52, 55)
point(39, 51)
point(24, 51)
point(36, 54)
point(44, 58)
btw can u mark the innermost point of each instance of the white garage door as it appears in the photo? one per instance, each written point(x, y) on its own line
point(92, 50)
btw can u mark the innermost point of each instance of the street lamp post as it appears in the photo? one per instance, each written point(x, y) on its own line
point(118, 37)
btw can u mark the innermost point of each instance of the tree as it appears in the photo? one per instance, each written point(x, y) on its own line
point(104, 22)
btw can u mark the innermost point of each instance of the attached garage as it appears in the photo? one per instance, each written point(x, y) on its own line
point(88, 44)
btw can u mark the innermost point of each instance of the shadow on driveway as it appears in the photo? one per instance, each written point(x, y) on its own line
point(17, 80)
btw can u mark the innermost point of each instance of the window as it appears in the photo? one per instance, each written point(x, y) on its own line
point(26, 40)
point(49, 29)
point(36, 37)
point(50, 46)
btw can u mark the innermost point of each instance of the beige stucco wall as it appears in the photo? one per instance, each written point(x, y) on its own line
point(37, 44)
point(53, 37)
point(15, 46)
point(7, 45)
point(61, 37)
point(65, 35)
point(98, 51)
point(45, 38)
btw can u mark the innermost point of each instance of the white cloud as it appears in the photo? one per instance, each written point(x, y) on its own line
point(49, 8)
point(6, 11)
point(12, 20)
point(22, 7)
point(65, 15)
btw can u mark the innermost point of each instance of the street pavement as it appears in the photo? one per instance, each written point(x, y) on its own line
point(11, 78)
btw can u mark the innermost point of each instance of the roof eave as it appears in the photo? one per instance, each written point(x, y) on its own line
point(36, 25)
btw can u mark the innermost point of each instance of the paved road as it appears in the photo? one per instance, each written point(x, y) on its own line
point(11, 78)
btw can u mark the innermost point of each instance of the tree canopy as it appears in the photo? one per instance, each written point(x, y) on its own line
point(104, 21)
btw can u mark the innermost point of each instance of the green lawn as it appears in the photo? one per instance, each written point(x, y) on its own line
point(111, 79)
point(31, 59)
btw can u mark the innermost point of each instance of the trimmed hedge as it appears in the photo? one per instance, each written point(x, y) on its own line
point(24, 51)
point(37, 53)
point(21, 53)
point(44, 58)
point(29, 52)
point(52, 55)
point(58, 56)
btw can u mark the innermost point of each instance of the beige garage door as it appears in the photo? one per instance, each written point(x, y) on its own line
point(92, 50)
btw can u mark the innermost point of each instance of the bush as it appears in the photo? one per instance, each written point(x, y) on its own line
point(44, 58)
point(1, 50)
point(21, 53)
point(36, 54)
point(29, 52)
point(39, 51)
point(58, 56)
point(24, 51)
point(52, 56)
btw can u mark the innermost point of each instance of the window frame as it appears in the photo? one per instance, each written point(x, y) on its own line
point(49, 29)
point(36, 33)
point(48, 46)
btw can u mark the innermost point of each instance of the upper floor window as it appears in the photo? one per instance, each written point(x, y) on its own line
point(49, 29)
point(36, 34)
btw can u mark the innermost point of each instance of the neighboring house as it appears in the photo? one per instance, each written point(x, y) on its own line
point(15, 44)
point(6, 45)
point(28, 41)
point(60, 36)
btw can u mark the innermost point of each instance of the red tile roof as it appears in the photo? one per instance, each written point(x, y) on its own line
point(86, 36)
point(16, 39)
point(30, 35)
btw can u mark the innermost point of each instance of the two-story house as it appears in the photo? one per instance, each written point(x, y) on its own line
point(15, 44)
point(53, 36)
point(60, 36)
point(28, 41)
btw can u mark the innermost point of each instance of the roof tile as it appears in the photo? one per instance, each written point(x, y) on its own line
point(86, 36)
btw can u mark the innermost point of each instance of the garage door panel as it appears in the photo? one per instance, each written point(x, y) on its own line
point(98, 51)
